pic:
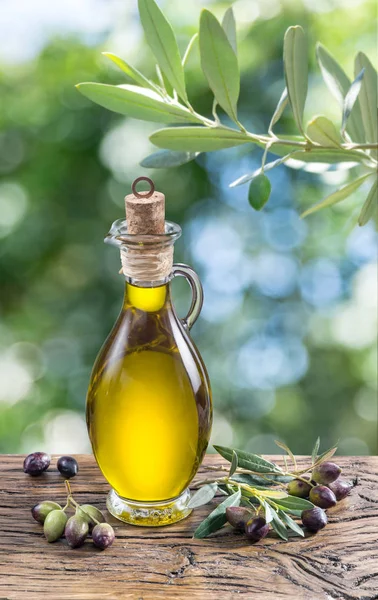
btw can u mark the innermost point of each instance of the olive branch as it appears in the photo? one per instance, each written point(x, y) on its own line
point(354, 143)
point(260, 486)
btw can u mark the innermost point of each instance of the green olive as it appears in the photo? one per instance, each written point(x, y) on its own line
point(54, 525)
point(42, 509)
point(87, 511)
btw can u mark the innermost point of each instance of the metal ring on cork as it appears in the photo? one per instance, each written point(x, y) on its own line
point(147, 194)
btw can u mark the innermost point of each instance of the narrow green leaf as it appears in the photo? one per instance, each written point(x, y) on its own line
point(278, 526)
point(219, 63)
point(163, 159)
point(326, 455)
point(161, 39)
point(203, 495)
point(259, 191)
point(290, 523)
point(296, 71)
point(369, 206)
point(282, 103)
point(136, 102)
point(217, 518)
point(274, 494)
point(131, 72)
point(332, 156)
point(350, 99)
point(315, 450)
point(268, 512)
point(287, 449)
point(368, 98)
point(322, 131)
point(246, 460)
point(337, 196)
point(258, 482)
point(229, 26)
point(234, 464)
point(189, 49)
point(339, 83)
point(294, 503)
point(197, 139)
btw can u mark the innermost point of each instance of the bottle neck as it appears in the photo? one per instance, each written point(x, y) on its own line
point(148, 299)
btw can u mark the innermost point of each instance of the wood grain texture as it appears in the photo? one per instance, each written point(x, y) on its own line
point(338, 563)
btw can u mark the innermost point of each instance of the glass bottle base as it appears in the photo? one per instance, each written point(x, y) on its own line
point(149, 514)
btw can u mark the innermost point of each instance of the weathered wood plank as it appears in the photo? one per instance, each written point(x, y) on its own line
point(340, 562)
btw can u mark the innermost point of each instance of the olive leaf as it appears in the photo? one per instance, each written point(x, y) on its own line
point(325, 155)
point(368, 97)
point(268, 511)
point(163, 159)
point(259, 191)
point(337, 196)
point(290, 523)
point(162, 41)
point(322, 131)
point(350, 99)
point(262, 482)
point(274, 494)
point(217, 518)
point(189, 48)
point(131, 72)
point(203, 495)
point(369, 206)
point(282, 103)
point(287, 449)
point(326, 455)
point(246, 460)
point(296, 71)
point(219, 63)
point(278, 526)
point(229, 26)
point(339, 83)
point(137, 102)
point(294, 503)
point(197, 139)
point(315, 450)
point(234, 464)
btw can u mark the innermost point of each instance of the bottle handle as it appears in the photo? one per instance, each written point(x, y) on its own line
point(181, 270)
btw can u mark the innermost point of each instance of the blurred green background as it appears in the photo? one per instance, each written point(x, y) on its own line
point(288, 328)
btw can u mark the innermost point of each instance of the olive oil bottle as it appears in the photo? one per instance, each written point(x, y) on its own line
point(149, 402)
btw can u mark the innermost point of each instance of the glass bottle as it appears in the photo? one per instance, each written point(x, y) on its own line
point(149, 409)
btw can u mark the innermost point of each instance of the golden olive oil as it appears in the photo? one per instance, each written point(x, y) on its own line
point(148, 409)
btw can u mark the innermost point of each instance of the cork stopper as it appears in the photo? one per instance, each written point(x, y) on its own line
point(146, 259)
point(145, 211)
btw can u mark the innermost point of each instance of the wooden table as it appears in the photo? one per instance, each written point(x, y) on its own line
point(340, 562)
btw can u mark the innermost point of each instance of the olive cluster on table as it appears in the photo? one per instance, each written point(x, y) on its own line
point(87, 519)
point(76, 528)
point(323, 488)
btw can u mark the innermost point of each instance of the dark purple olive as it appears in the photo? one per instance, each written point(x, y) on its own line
point(103, 535)
point(314, 519)
point(299, 488)
point(67, 466)
point(36, 463)
point(322, 496)
point(42, 509)
point(76, 531)
point(340, 488)
point(256, 529)
point(326, 473)
point(238, 516)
